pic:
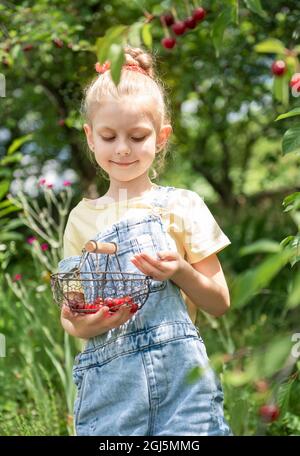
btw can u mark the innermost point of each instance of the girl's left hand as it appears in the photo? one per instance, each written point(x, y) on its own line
point(168, 264)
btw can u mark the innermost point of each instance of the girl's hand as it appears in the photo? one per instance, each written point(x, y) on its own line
point(85, 325)
point(168, 264)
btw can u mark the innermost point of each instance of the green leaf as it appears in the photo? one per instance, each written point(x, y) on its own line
point(292, 113)
point(15, 51)
point(291, 202)
point(219, 27)
point(291, 140)
point(114, 35)
point(4, 237)
point(271, 359)
point(294, 294)
point(255, 6)
point(262, 245)
point(283, 396)
point(4, 187)
point(235, 11)
point(277, 88)
point(270, 46)
point(281, 89)
point(146, 35)
point(9, 210)
point(7, 160)
point(58, 368)
point(134, 34)
point(252, 281)
point(17, 143)
point(117, 58)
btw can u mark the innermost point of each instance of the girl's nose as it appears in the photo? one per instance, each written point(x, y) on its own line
point(122, 150)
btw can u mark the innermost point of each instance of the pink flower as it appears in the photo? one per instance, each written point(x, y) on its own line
point(44, 247)
point(49, 185)
point(31, 239)
point(67, 183)
point(17, 277)
point(42, 181)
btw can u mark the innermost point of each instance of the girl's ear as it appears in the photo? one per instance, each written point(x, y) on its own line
point(89, 136)
point(163, 136)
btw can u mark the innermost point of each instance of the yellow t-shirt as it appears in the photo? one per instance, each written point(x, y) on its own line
point(187, 220)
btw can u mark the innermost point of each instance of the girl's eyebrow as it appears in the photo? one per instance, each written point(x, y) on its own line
point(142, 127)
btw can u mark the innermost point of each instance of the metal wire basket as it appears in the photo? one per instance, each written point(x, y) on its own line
point(85, 288)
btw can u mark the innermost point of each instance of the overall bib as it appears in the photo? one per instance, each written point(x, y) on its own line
point(131, 381)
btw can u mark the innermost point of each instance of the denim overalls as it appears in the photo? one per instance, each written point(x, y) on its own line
point(131, 381)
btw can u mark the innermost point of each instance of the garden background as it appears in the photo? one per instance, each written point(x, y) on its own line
point(234, 94)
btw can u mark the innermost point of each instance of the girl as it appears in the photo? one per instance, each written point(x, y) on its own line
point(131, 376)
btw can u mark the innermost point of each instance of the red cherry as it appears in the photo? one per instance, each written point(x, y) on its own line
point(168, 43)
point(61, 122)
point(190, 22)
point(199, 14)
point(27, 47)
point(269, 413)
point(295, 82)
point(278, 67)
point(127, 299)
point(58, 43)
point(179, 27)
point(113, 303)
point(167, 19)
point(134, 308)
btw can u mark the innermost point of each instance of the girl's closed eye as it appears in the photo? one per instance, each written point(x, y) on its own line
point(134, 139)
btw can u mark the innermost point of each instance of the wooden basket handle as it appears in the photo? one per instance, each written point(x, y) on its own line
point(101, 247)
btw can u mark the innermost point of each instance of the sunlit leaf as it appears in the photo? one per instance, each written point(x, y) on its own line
point(255, 6)
point(17, 143)
point(292, 113)
point(291, 140)
point(252, 281)
point(117, 58)
point(146, 35)
point(271, 45)
point(219, 27)
point(261, 246)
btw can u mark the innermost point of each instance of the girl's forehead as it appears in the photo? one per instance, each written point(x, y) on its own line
point(126, 112)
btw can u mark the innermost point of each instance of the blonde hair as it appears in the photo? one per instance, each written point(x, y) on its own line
point(132, 83)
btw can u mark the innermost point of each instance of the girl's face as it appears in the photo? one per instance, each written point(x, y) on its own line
point(122, 132)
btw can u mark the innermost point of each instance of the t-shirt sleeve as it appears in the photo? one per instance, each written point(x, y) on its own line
point(200, 235)
point(71, 241)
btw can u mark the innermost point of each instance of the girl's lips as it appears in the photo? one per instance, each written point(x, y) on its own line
point(123, 164)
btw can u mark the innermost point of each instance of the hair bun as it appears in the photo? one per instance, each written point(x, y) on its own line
point(136, 56)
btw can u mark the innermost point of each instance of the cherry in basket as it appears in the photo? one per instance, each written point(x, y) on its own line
point(115, 303)
point(74, 299)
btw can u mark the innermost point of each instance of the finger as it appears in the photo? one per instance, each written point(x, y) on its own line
point(120, 316)
point(147, 268)
point(153, 262)
point(101, 313)
point(141, 265)
point(70, 314)
point(66, 311)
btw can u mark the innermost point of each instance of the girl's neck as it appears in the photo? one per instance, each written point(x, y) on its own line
point(123, 191)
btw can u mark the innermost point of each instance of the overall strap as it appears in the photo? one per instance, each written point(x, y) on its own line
point(161, 197)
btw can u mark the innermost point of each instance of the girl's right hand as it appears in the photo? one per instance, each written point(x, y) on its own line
point(84, 325)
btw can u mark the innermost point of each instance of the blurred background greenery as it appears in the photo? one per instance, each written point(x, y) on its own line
point(224, 97)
